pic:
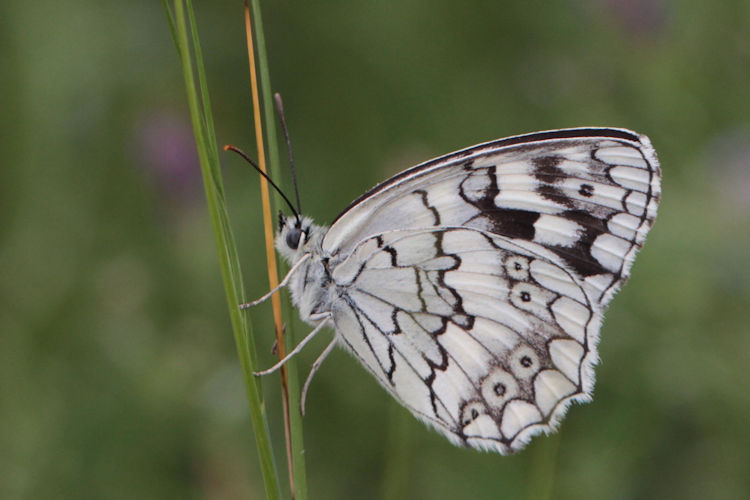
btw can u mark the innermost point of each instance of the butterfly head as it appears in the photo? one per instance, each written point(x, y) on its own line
point(295, 235)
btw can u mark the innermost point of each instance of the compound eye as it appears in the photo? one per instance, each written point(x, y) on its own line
point(292, 237)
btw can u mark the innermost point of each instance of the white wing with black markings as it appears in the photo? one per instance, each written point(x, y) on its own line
point(472, 286)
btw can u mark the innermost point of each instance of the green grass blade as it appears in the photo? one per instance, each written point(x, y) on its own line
point(227, 253)
point(170, 21)
point(206, 100)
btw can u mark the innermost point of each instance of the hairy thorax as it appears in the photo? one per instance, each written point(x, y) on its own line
point(311, 286)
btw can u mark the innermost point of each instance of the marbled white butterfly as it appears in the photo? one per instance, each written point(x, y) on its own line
point(472, 286)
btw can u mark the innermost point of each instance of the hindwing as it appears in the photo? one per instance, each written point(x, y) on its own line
point(484, 338)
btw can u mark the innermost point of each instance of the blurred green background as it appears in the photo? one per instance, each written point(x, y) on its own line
point(118, 372)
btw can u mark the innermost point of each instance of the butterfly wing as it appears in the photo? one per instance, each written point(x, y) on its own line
point(472, 286)
point(484, 338)
point(589, 195)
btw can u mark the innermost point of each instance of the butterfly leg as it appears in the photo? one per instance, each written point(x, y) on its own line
point(314, 369)
point(297, 349)
point(281, 285)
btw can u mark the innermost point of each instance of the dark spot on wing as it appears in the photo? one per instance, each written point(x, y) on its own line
point(546, 169)
point(510, 222)
point(547, 172)
point(579, 255)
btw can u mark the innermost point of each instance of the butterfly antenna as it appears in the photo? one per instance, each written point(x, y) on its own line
point(237, 150)
point(280, 109)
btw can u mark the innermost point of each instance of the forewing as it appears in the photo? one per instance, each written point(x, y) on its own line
point(587, 195)
point(485, 338)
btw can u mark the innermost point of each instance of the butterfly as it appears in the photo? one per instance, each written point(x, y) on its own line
point(472, 286)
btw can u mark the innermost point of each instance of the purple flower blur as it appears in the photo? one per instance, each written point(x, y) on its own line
point(167, 153)
point(640, 18)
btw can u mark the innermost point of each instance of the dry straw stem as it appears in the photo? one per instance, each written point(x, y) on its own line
point(273, 272)
point(289, 384)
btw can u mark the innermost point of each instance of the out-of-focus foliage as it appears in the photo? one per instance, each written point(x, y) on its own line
point(118, 375)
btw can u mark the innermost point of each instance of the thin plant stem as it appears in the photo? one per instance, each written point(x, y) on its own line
point(298, 445)
point(292, 409)
point(200, 113)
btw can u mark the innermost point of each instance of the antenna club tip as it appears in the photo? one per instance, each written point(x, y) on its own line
point(227, 147)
